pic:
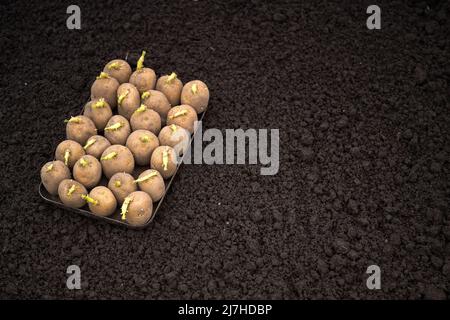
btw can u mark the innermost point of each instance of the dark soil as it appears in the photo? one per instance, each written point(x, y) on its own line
point(364, 159)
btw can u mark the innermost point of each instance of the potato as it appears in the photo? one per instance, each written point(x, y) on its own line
point(117, 158)
point(137, 208)
point(143, 78)
point(122, 184)
point(157, 101)
point(99, 111)
point(70, 192)
point(87, 171)
point(183, 116)
point(176, 137)
point(119, 69)
point(128, 99)
point(101, 201)
point(146, 119)
point(171, 86)
point(151, 182)
point(52, 173)
point(117, 130)
point(69, 152)
point(164, 159)
point(142, 143)
point(80, 129)
point(96, 145)
point(105, 87)
point(196, 94)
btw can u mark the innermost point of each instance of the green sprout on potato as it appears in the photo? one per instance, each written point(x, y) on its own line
point(122, 97)
point(72, 120)
point(194, 88)
point(145, 138)
point(114, 127)
point(89, 199)
point(110, 156)
point(66, 157)
point(124, 208)
point(89, 143)
point(99, 104)
point(114, 66)
point(146, 177)
point(103, 75)
point(171, 78)
point(145, 95)
point(140, 63)
point(71, 190)
point(178, 114)
point(165, 159)
point(142, 108)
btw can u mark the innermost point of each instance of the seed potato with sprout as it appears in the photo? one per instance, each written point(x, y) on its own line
point(176, 137)
point(122, 184)
point(80, 129)
point(117, 130)
point(117, 158)
point(151, 182)
point(143, 78)
point(196, 94)
point(171, 87)
point(128, 99)
point(184, 116)
point(164, 159)
point(145, 118)
point(105, 87)
point(70, 192)
point(87, 171)
point(69, 151)
point(99, 111)
point(142, 143)
point(96, 145)
point(137, 208)
point(119, 69)
point(158, 102)
point(101, 201)
point(52, 173)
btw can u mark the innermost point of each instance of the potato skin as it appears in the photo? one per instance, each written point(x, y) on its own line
point(99, 116)
point(105, 88)
point(154, 186)
point(123, 162)
point(157, 101)
point(80, 131)
point(156, 161)
point(146, 120)
point(120, 135)
point(198, 101)
point(178, 139)
point(107, 203)
point(186, 121)
point(172, 89)
point(88, 175)
point(51, 178)
point(121, 73)
point(74, 200)
point(140, 148)
point(131, 102)
point(140, 209)
point(126, 187)
point(144, 79)
point(96, 149)
point(76, 151)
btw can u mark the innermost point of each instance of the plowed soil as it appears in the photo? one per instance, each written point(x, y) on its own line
point(364, 151)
